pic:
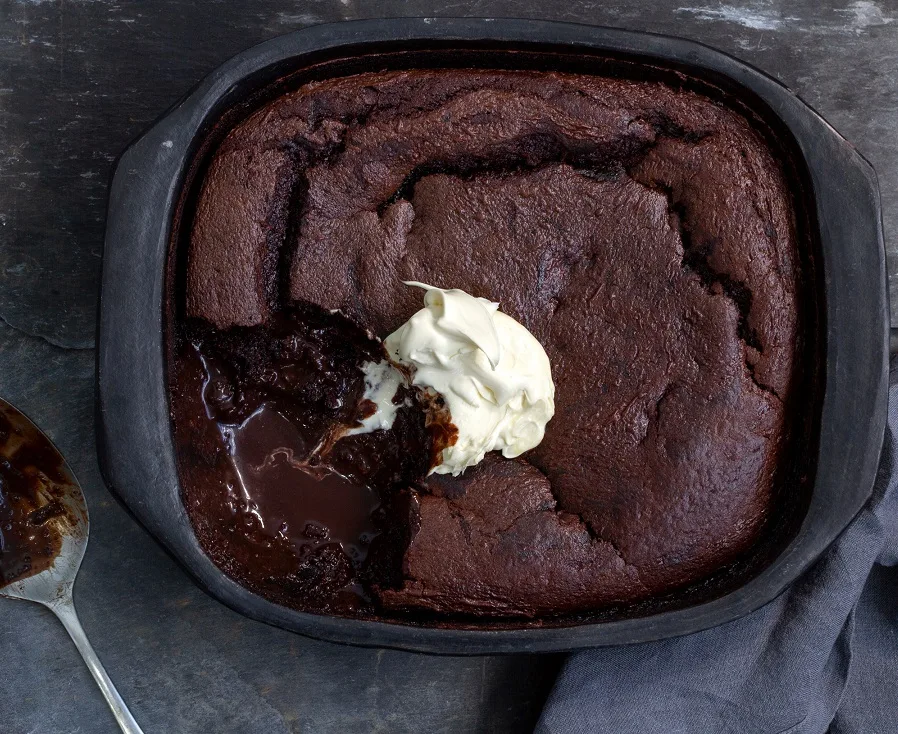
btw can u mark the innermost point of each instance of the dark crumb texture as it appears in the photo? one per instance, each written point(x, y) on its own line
point(644, 234)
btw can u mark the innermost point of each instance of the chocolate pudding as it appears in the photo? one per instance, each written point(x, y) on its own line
point(32, 481)
point(644, 234)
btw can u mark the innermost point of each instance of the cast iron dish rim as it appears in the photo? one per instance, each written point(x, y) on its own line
point(135, 444)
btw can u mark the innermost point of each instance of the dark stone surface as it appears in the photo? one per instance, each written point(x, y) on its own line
point(78, 80)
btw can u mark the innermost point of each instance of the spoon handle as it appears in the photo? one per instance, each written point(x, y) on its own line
point(64, 608)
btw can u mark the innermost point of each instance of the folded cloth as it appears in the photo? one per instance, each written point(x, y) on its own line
point(822, 657)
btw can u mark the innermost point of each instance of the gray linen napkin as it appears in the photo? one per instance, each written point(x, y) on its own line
point(822, 657)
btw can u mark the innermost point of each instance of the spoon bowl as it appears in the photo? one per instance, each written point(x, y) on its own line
point(52, 585)
point(72, 525)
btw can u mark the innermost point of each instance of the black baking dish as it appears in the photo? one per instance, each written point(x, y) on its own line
point(135, 442)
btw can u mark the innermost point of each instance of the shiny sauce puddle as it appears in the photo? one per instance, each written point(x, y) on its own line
point(289, 496)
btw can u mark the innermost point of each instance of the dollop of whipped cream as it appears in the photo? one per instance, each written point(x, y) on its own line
point(492, 373)
point(382, 380)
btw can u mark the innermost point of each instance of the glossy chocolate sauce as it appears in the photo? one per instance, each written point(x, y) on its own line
point(290, 504)
point(290, 495)
point(32, 479)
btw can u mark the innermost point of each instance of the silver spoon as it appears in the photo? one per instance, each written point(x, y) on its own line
point(53, 586)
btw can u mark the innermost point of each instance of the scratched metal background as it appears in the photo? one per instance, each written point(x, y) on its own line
point(78, 80)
